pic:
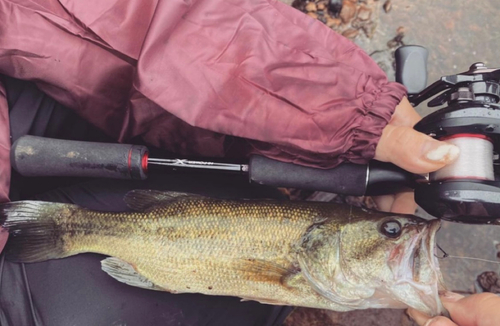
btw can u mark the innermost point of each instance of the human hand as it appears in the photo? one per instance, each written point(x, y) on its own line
point(475, 310)
point(411, 150)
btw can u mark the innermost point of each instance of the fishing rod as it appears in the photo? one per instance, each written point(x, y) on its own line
point(38, 156)
point(467, 190)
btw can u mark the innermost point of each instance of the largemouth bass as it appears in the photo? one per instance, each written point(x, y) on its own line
point(318, 255)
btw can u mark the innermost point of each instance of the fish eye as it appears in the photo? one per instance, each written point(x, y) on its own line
point(391, 229)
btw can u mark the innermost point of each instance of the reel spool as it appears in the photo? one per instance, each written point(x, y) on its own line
point(475, 161)
point(467, 190)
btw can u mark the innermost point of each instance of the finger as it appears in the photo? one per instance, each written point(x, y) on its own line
point(413, 150)
point(405, 115)
point(424, 320)
point(404, 203)
point(440, 321)
point(419, 317)
point(384, 203)
point(449, 296)
point(478, 309)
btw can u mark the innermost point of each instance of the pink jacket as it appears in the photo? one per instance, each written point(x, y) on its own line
point(198, 77)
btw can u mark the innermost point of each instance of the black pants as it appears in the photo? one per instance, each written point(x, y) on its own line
point(74, 290)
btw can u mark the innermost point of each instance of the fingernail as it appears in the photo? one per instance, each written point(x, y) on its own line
point(444, 153)
point(429, 322)
point(409, 314)
point(419, 317)
point(451, 296)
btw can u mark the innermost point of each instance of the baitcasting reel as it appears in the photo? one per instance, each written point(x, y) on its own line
point(466, 191)
point(469, 189)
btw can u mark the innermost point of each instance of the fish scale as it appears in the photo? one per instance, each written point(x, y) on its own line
point(214, 236)
point(318, 255)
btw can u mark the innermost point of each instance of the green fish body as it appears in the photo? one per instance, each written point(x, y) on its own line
point(318, 255)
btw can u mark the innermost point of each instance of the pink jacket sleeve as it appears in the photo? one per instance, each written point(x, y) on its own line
point(4, 157)
point(184, 74)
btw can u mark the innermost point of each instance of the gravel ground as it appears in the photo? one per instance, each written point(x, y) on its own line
point(457, 34)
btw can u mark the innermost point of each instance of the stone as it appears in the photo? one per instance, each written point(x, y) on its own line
point(313, 15)
point(387, 5)
point(350, 33)
point(358, 23)
point(369, 28)
point(489, 282)
point(364, 13)
point(332, 22)
point(335, 6)
point(348, 11)
point(392, 44)
point(311, 6)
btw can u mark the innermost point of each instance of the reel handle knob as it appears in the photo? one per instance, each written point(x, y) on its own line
point(411, 67)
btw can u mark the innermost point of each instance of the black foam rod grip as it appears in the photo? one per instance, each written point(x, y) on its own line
point(411, 67)
point(38, 156)
point(386, 178)
point(347, 179)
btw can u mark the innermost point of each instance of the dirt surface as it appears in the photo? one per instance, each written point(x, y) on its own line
point(457, 34)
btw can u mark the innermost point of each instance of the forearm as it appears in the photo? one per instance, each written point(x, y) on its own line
point(257, 69)
point(4, 146)
point(275, 76)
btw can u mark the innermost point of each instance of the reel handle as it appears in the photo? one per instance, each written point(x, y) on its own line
point(411, 67)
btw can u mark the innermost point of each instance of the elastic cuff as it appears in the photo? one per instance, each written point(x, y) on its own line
point(380, 105)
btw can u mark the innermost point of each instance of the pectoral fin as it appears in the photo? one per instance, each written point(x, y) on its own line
point(124, 272)
point(261, 270)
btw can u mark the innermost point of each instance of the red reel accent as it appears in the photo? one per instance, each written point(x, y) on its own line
point(481, 136)
point(145, 162)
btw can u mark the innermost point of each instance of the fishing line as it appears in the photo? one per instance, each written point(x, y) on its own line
point(474, 162)
point(446, 255)
point(473, 258)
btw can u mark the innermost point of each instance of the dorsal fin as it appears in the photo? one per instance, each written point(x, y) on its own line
point(124, 272)
point(144, 200)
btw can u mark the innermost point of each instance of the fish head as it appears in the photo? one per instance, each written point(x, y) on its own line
point(393, 260)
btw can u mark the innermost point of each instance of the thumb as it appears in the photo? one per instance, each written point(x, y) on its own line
point(477, 309)
point(413, 150)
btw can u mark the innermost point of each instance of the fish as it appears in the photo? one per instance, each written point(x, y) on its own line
point(308, 254)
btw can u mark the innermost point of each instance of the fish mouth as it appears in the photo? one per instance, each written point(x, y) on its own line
point(430, 241)
point(423, 265)
point(424, 246)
